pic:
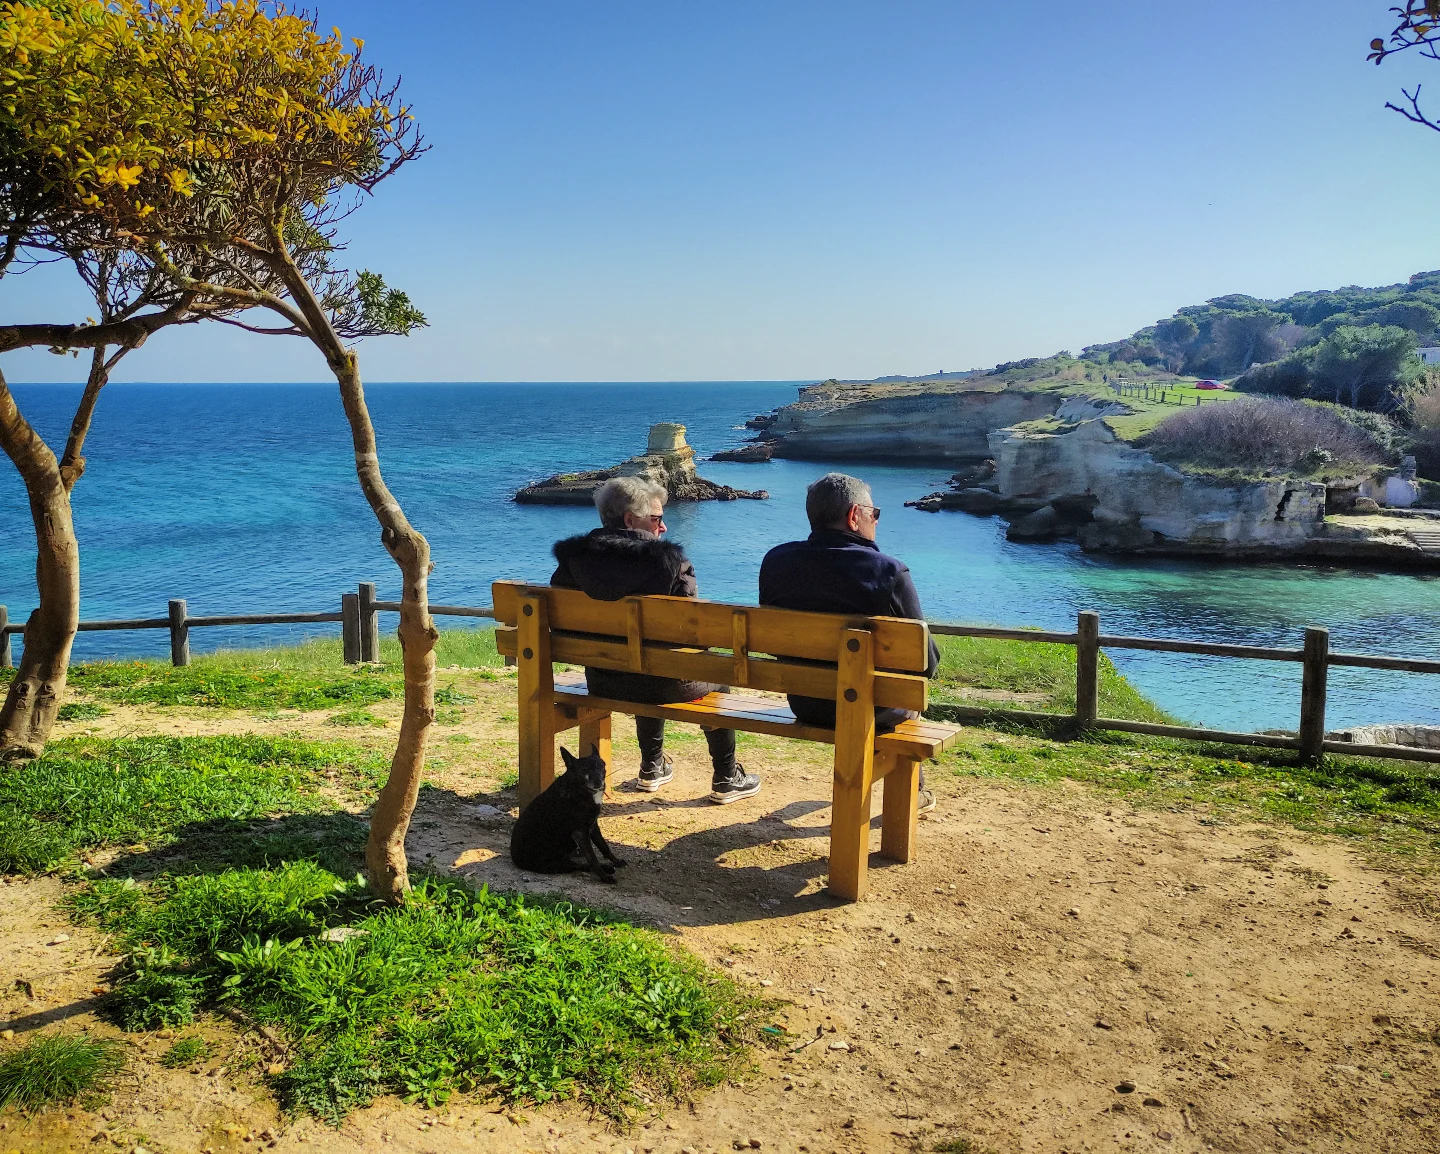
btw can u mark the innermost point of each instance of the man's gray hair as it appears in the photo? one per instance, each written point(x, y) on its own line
point(621, 495)
point(828, 500)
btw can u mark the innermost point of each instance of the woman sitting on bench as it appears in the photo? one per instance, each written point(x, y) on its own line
point(627, 557)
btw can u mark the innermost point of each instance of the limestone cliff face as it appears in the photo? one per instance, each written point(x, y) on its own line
point(1138, 500)
point(935, 426)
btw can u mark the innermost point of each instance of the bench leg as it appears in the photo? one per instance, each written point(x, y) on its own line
point(535, 693)
point(595, 731)
point(850, 835)
point(901, 810)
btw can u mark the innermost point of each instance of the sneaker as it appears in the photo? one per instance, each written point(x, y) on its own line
point(925, 801)
point(724, 790)
point(653, 777)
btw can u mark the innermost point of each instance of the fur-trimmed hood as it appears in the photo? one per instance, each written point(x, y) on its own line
point(609, 564)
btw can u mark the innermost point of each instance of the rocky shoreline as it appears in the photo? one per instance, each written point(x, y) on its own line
point(1051, 465)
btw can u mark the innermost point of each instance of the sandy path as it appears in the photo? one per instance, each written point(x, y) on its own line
point(1261, 989)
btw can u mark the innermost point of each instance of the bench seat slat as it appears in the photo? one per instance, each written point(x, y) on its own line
point(900, 645)
point(916, 738)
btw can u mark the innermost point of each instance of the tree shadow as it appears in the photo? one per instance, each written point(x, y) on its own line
point(334, 841)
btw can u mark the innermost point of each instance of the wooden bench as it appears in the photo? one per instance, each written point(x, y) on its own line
point(858, 662)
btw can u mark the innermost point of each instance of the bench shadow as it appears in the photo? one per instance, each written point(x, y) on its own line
point(686, 882)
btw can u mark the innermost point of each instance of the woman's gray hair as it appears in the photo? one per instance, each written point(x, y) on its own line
point(828, 500)
point(621, 495)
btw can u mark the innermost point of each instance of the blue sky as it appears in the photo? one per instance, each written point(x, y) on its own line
point(786, 190)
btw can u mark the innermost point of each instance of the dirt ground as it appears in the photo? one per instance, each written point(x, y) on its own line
point(1056, 972)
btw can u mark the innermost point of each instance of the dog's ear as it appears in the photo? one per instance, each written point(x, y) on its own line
point(595, 752)
point(569, 757)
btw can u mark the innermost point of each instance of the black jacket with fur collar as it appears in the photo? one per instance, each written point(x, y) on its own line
point(608, 564)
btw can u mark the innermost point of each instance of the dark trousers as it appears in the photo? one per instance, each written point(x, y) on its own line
point(650, 731)
point(819, 712)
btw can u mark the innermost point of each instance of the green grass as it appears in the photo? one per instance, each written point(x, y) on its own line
point(184, 1052)
point(222, 684)
point(308, 676)
point(452, 991)
point(88, 793)
point(1148, 414)
point(1392, 806)
point(1029, 667)
point(56, 1069)
point(81, 711)
point(356, 718)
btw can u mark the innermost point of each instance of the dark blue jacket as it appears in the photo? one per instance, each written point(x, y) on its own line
point(836, 571)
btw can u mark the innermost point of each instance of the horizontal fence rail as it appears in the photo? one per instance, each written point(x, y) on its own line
point(360, 636)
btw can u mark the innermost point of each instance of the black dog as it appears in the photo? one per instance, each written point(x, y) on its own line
point(559, 830)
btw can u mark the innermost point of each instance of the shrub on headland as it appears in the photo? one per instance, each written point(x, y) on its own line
point(1422, 411)
point(1267, 434)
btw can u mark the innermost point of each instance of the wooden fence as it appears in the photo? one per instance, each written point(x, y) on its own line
point(360, 636)
point(1159, 393)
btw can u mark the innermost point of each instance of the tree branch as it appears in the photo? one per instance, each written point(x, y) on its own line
point(131, 332)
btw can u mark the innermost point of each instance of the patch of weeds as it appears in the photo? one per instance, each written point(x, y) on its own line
point(81, 711)
point(959, 1146)
point(449, 695)
point(459, 739)
point(355, 718)
point(158, 992)
point(451, 991)
point(185, 1052)
point(87, 792)
point(449, 716)
point(56, 1069)
point(509, 779)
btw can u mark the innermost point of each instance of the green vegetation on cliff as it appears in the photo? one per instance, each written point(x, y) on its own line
point(1351, 345)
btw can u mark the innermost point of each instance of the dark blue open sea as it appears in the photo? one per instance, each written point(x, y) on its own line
point(242, 498)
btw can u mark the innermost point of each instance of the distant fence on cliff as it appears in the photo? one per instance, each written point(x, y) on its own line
point(359, 612)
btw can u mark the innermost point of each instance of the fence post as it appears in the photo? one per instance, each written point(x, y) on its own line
point(6, 661)
point(179, 635)
point(1087, 668)
point(350, 627)
point(1312, 693)
point(369, 623)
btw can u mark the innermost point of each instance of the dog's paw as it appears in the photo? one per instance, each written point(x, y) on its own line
point(618, 863)
point(609, 878)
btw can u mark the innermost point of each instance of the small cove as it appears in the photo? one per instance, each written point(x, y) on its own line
point(242, 498)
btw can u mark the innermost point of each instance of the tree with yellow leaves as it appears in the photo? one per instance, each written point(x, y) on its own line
point(220, 146)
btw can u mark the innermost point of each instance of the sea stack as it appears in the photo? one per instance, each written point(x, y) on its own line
point(667, 461)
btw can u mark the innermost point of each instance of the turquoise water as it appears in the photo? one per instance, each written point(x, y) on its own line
point(242, 498)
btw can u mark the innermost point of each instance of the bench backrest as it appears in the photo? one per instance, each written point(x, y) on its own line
point(778, 650)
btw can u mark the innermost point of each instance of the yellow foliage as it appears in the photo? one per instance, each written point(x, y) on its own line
point(132, 109)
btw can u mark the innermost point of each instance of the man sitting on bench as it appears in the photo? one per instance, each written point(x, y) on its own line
point(840, 569)
point(626, 557)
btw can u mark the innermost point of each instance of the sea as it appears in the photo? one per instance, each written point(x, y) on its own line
point(242, 498)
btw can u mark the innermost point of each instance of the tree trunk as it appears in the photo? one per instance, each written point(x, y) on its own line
point(38, 689)
point(390, 819)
